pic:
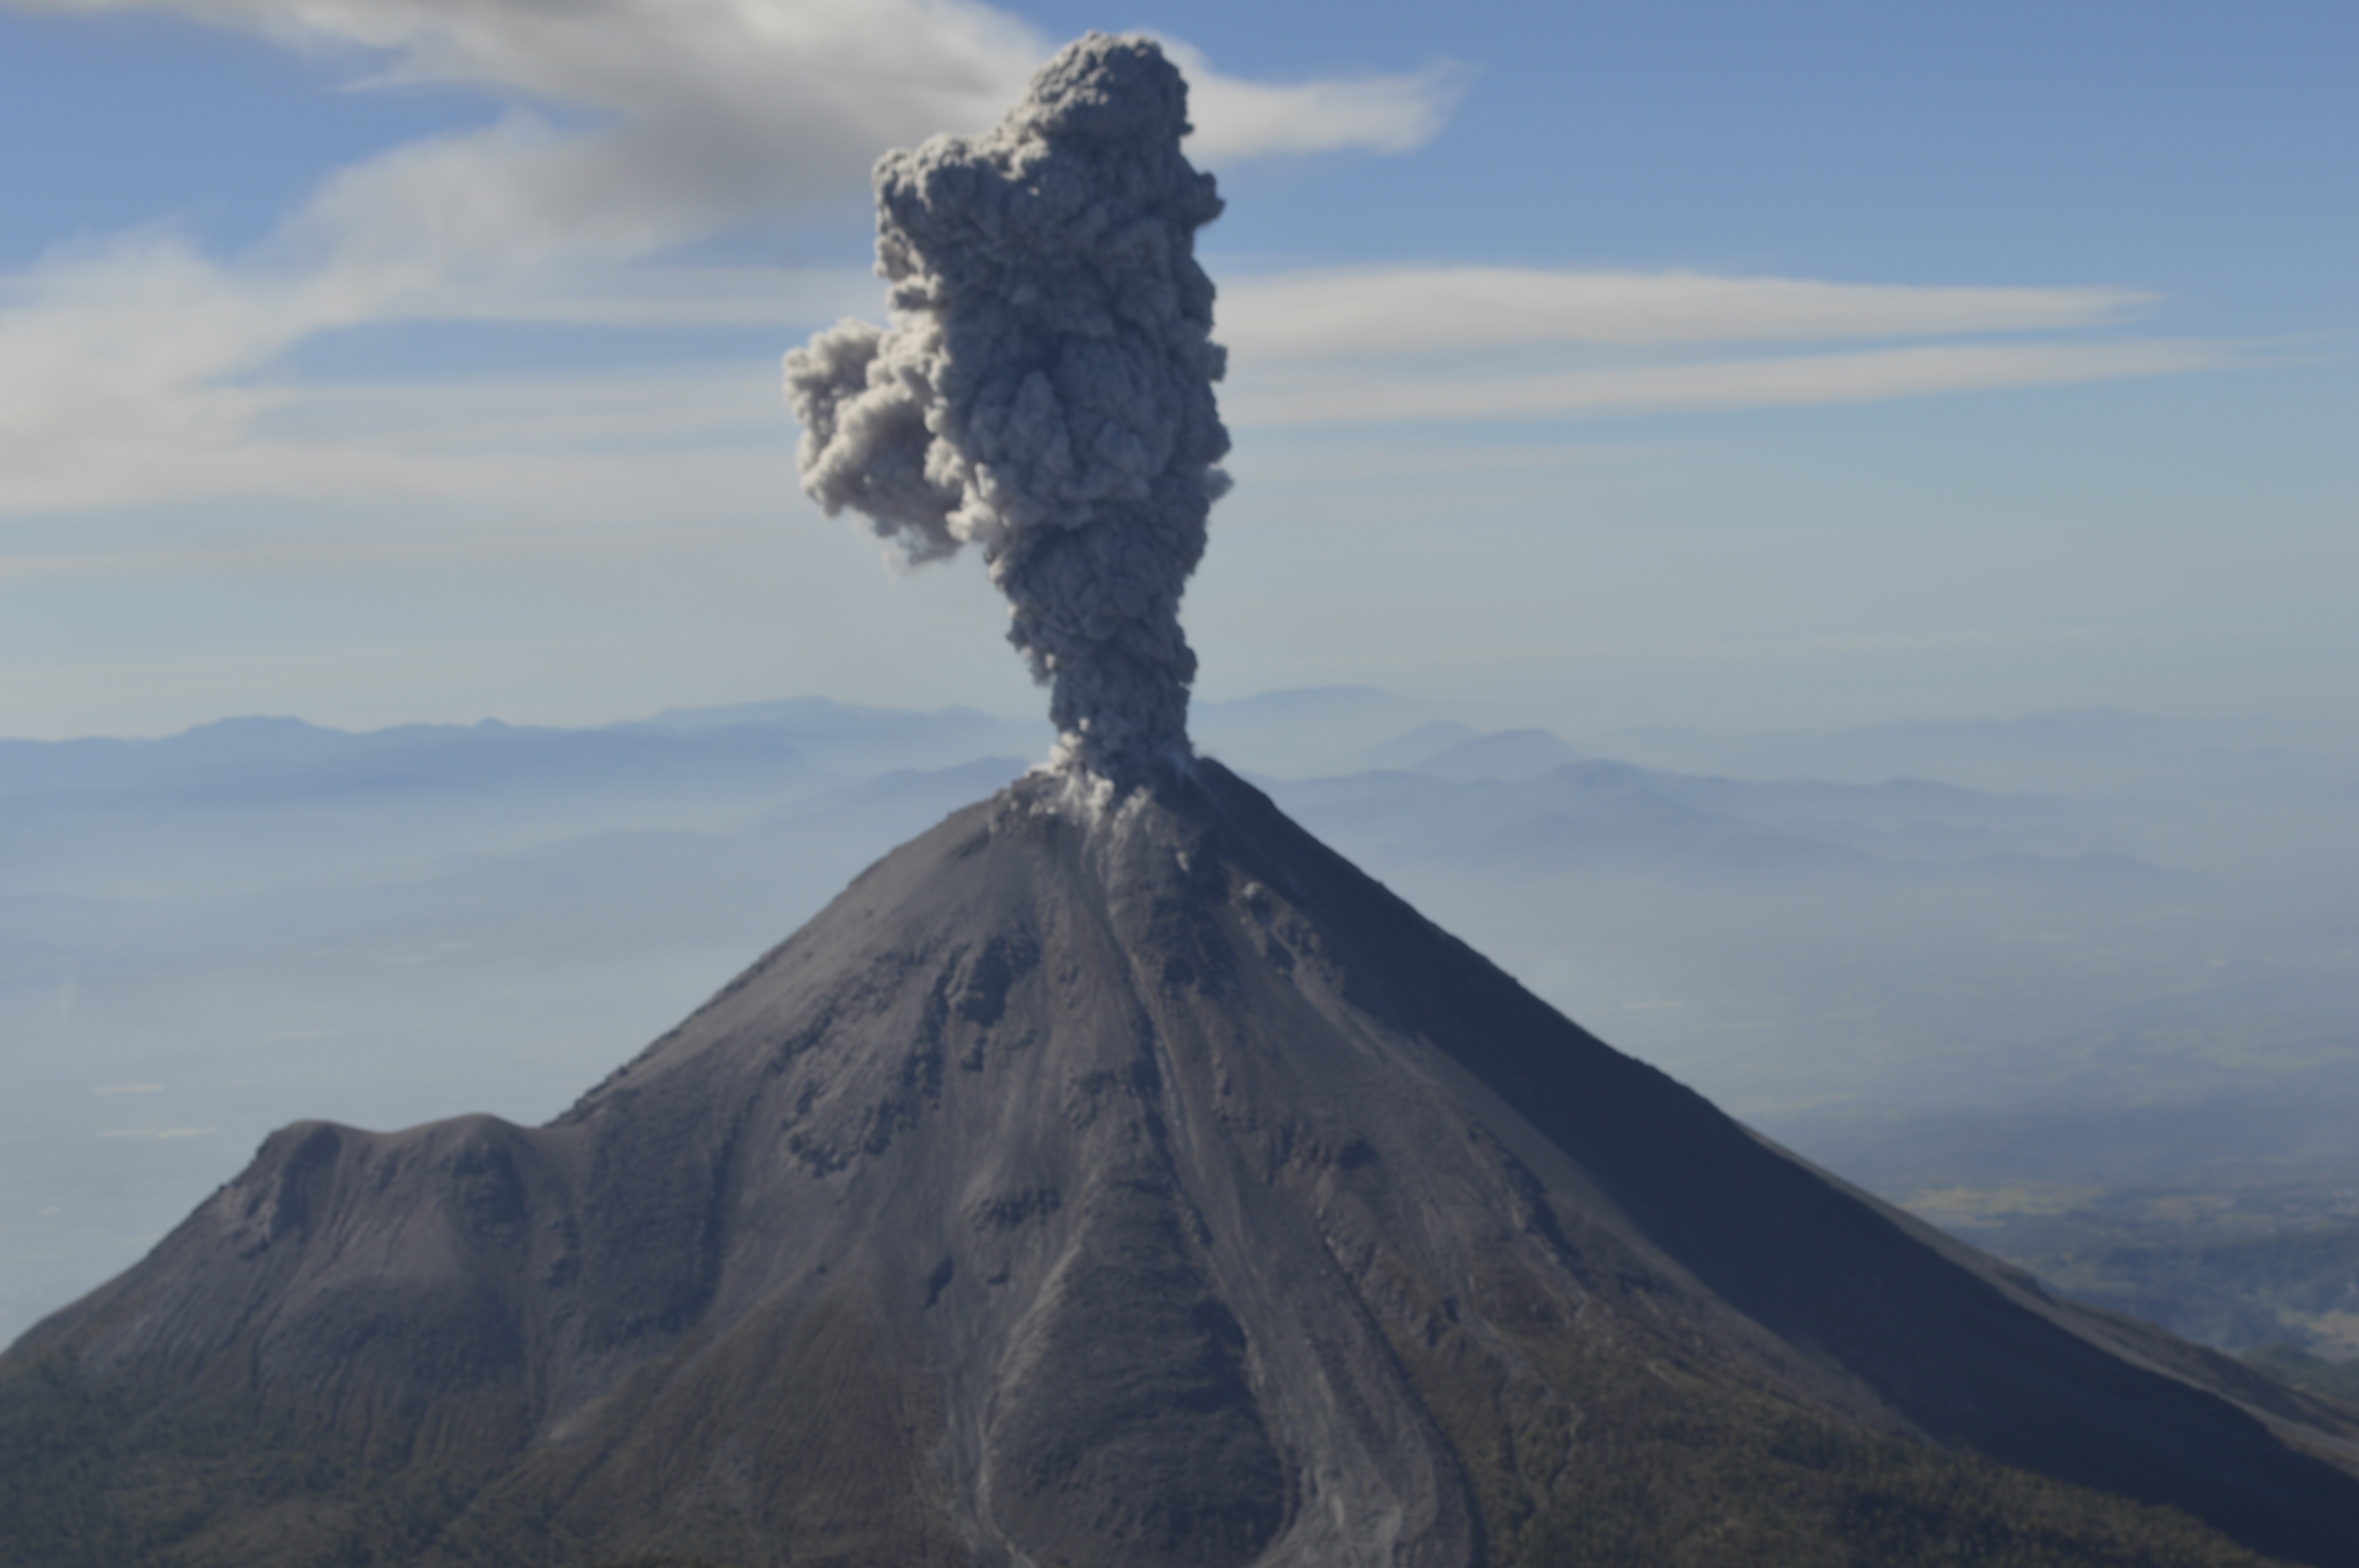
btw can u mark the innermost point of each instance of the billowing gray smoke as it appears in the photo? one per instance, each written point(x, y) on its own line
point(1045, 390)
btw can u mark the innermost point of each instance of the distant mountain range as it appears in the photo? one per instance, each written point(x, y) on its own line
point(206, 936)
point(1135, 1183)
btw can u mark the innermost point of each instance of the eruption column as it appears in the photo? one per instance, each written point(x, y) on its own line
point(1045, 389)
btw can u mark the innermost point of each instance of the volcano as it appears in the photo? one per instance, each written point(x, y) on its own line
point(1130, 1181)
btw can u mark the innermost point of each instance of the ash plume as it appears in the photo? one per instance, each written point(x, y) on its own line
point(1045, 388)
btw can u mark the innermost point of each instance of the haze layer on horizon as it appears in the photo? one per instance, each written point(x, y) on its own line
point(385, 363)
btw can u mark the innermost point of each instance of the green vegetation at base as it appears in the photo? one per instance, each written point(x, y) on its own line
point(1807, 1494)
point(2233, 1295)
point(1588, 1441)
point(2237, 1265)
point(1659, 1465)
point(1623, 1455)
point(2290, 1364)
point(212, 1472)
point(789, 1430)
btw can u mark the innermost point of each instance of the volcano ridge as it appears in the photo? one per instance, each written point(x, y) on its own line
point(1127, 1181)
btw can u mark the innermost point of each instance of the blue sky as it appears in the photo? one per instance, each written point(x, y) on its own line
point(379, 360)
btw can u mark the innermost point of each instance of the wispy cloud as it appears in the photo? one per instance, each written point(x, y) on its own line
point(118, 371)
point(710, 112)
point(1359, 312)
point(1327, 468)
point(1387, 113)
point(1281, 394)
point(1456, 345)
point(143, 371)
point(136, 370)
point(142, 375)
point(1778, 649)
point(675, 294)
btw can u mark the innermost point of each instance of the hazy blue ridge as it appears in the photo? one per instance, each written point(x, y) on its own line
point(1923, 982)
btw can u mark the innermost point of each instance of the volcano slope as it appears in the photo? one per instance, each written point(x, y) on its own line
point(1138, 1185)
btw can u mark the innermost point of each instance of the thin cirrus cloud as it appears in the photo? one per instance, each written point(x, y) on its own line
point(1280, 395)
point(1351, 312)
point(1391, 114)
point(1438, 345)
point(712, 113)
point(143, 371)
point(133, 372)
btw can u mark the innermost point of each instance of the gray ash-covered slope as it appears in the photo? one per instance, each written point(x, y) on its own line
point(1136, 1185)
